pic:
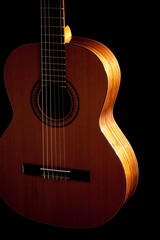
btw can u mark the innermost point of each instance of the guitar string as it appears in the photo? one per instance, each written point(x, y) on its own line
point(58, 93)
point(52, 88)
point(55, 93)
point(52, 91)
point(47, 67)
point(62, 17)
point(49, 71)
point(45, 140)
point(60, 87)
point(46, 91)
point(42, 81)
point(57, 144)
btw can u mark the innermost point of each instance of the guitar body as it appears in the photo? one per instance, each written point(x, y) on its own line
point(87, 142)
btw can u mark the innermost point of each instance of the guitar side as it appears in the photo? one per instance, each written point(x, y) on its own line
point(91, 142)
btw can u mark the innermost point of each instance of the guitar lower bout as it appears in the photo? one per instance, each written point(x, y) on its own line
point(64, 160)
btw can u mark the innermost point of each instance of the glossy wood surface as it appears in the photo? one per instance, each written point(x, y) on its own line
point(93, 141)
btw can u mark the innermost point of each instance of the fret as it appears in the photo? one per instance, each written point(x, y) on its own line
point(52, 4)
point(53, 71)
point(52, 53)
point(55, 68)
point(51, 22)
point(54, 30)
point(51, 40)
point(53, 78)
point(52, 57)
point(49, 11)
point(59, 77)
point(51, 62)
point(49, 70)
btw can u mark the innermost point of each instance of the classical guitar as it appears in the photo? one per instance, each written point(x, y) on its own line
point(64, 161)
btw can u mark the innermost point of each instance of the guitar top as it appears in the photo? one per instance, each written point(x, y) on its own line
point(64, 160)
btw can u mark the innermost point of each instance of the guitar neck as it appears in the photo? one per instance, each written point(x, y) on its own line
point(52, 16)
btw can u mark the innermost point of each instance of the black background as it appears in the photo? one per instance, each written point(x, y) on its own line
point(126, 28)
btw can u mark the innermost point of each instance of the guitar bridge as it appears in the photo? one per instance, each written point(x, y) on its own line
point(56, 173)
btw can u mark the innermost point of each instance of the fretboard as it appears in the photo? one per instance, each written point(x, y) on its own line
point(52, 40)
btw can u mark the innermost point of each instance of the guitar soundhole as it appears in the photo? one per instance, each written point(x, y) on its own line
point(54, 104)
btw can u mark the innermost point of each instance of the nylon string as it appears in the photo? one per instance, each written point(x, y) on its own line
point(51, 76)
